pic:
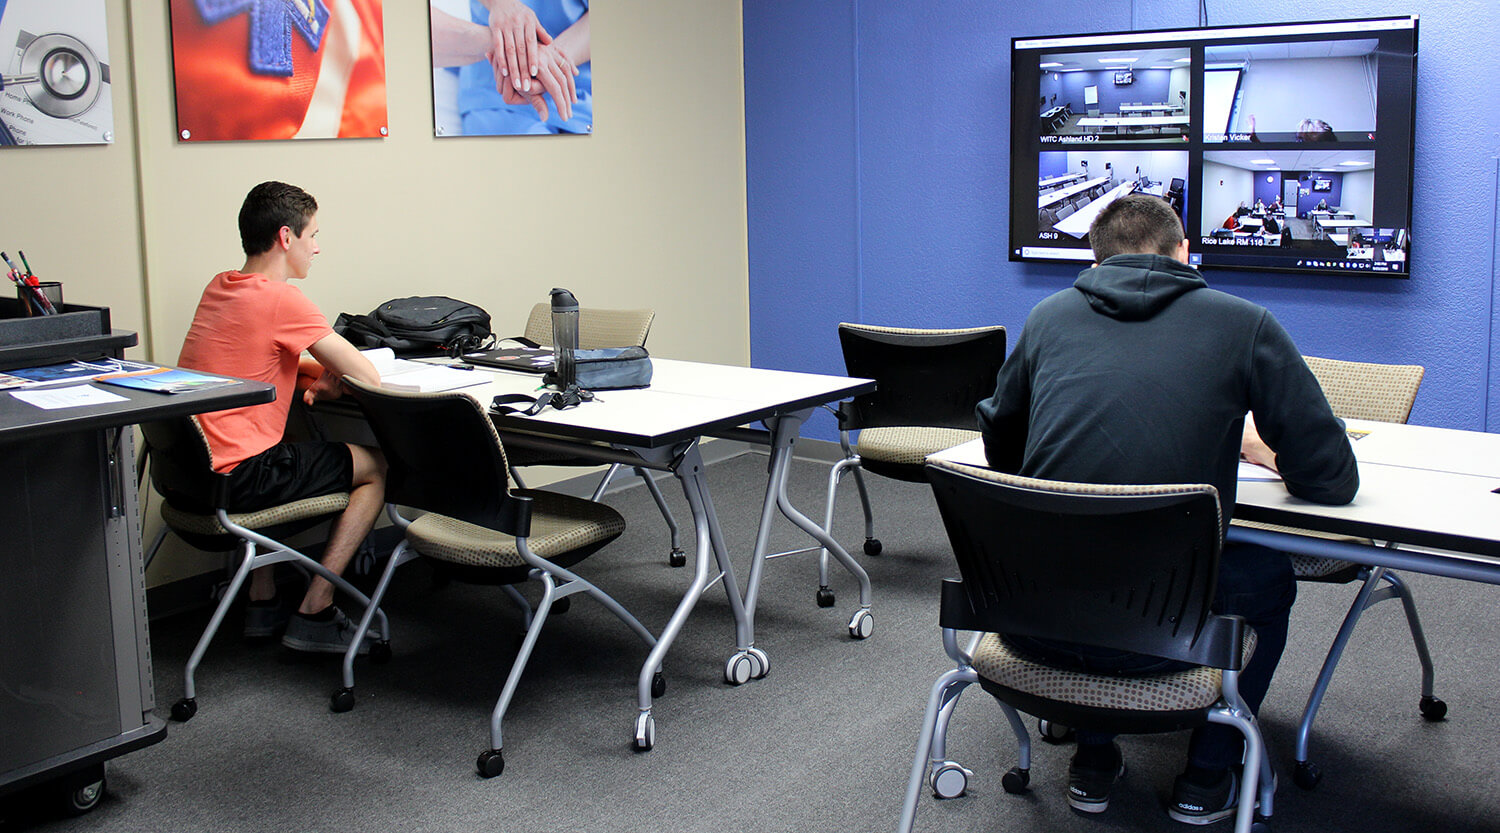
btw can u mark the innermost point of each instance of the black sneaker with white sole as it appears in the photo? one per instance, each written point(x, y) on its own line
point(1194, 804)
point(1088, 789)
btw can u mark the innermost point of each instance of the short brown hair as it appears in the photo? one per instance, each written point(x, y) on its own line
point(268, 207)
point(1135, 224)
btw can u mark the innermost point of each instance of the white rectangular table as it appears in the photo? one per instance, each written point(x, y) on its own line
point(1419, 486)
point(660, 427)
point(1077, 224)
point(1133, 121)
point(1150, 108)
point(1056, 180)
point(1061, 194)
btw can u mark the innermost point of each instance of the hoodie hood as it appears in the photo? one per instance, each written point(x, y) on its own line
point(1136, 287)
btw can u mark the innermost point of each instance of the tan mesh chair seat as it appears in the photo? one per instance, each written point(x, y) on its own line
point(1178, 691)
point(596, 327)
point(909, 445)
point(1312, 567)
point(1362, 390)
point(199, 524)
point(560, 524)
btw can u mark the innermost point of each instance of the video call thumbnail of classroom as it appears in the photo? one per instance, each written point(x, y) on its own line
point(1277, 167)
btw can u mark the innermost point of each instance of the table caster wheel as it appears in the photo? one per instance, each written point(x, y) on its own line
point(739, 669)
point(1433, 709)
point(949, 780)
point(658, 684)
point(184, 709)
point(491, 763)
point(380, 652)
point(761, 663)
point(342, 700)
point(82, 790)
point(677, 558)
point(561, 606)
point(873, 546)
point(1054, 733)
point(645, 732)
point(825, 596)
point(1015, 781)
point(1307, 775)
point(862, 625)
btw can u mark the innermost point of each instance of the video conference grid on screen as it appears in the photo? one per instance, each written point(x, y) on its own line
point(1284, 146)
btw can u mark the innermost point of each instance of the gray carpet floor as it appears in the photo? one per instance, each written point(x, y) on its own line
point(824, 742)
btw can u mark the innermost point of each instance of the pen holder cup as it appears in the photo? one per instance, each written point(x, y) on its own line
point(30, 300)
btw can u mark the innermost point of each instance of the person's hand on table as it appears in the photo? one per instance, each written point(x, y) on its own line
point(517, 38)
point(1253, 449)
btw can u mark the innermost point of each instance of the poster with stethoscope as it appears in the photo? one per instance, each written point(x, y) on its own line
point(54, 73)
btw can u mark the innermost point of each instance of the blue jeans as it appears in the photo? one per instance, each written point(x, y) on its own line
point(1254, 582)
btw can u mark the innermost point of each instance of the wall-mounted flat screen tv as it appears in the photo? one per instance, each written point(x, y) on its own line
point(1302, 132)
point(1123, 78)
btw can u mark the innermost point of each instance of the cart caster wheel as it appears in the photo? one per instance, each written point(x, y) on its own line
point(1054, 733)
point(342, 701)
point(739, 669)
point(1433, 709)
point(645, 732)
point(873, 546)
point(82, 791)
point(761, 664)
point(561, 606)
point(862, 625)
point(677, 558)
point(380, 652)
point(491, 763)
point(1260, 825)
point(949, 780)
point(825, 597)
point(1015, 781)
point(184, 709)
point(658, 684)
point(1307, 775)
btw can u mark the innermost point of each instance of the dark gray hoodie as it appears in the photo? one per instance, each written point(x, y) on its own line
point(1142, 374)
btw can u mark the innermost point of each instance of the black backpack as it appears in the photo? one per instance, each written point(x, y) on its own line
point(426, 324)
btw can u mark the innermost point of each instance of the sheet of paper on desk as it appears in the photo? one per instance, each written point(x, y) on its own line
point(1251, 471)
point(407, 375)
point(70, 397)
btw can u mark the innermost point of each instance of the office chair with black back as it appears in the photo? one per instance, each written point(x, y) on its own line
point(599, 328)
point(476, 529)
point(194, 498)
point(1384, 393)
point(927, 385)
point(1130, 568)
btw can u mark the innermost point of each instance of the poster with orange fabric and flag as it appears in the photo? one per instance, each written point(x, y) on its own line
point(278, 69)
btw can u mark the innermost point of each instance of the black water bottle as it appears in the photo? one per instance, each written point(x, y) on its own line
point(564, 338)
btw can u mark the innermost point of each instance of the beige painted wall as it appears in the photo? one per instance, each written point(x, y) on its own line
point(648, 211)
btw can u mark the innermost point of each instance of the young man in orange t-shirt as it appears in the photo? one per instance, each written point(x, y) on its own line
point(254, 324)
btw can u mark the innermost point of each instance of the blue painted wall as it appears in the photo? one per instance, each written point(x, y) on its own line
point(1148, 87)
point(877, 147)
point(1267, 186)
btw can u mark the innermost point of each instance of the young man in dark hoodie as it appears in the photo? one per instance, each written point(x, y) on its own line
point(1142, 374)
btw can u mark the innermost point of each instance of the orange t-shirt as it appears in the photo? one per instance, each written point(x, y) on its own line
point(250, 327)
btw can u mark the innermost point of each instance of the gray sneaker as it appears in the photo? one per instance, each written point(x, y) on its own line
point(264, 621)
point(331, 637)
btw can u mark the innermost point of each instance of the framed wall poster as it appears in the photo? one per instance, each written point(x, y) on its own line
point(54, 61)
point(278, 69)
point(478, 91)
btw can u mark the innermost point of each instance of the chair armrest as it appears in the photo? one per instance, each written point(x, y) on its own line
point(1220, 645)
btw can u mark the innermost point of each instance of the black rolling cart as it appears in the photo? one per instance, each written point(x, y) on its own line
point(75, 656)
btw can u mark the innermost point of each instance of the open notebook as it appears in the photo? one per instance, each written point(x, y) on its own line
point(407, 375)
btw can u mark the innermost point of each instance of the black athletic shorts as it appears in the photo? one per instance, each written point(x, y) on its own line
point(290, 471)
